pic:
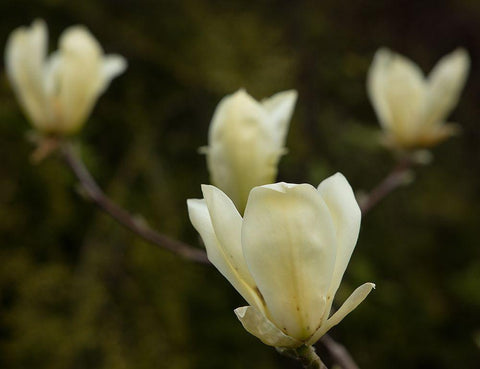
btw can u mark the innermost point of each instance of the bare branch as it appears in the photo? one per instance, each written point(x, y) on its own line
point(97, 196)
point(392, 181)
point(338, 352)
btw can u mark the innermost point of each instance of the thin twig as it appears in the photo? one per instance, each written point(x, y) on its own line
point(393, 180)
point(95, 194)
point(339, 353)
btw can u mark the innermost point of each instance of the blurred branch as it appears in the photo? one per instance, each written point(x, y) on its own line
point(339, 353)
point(97, 196)
point(396, 178)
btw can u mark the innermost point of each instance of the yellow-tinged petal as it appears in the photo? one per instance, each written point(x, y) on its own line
point(25, 55)
point(345, 212)
point(279, 108)
point(445, 83)
point(289, 243)
point(112, 66)
point(348, 306)
point(397, 90)
point(224, 256)
point(257, 324)
point(78, 77)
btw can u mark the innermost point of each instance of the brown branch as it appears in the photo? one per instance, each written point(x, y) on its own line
point(339, 353)
point(97, 196)
point(393, 180)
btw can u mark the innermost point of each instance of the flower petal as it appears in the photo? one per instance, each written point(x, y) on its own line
point(279, 108)
point(257, 324)
point(227, 223)
point(289, 244)
point(340, 199)
point(25, 55)
point(113, 65)
point(445, 84)
point(397, 90)
point(79, 77)
point(348, 306)
point(223, 251)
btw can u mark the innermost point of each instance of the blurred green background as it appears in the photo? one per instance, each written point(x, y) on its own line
point(78, 291)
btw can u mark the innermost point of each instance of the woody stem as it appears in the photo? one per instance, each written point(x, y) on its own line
point(306, 355)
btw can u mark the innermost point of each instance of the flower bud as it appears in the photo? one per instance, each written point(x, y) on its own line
point(246, 141)
point(58, 92)
point(412, 108)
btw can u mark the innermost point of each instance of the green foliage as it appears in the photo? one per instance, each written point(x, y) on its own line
point(78, 291)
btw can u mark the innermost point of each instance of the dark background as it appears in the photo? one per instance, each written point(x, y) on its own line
point(78, 291)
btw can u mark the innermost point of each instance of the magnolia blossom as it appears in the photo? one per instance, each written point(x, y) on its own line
point(412, 108)
point(286, 257)
point(58, 92)
point(246, 141)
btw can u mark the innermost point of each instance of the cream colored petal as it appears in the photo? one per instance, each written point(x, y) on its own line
point(257, 324)
point(242, 152)
point(219, 255)
point(24, 60)
point(445, 83)
point(79, 76)
point(51, 69)
point(289, 243)
point(397, 90)
point(79, 40)
point(340, 199)
point(376, 85)
point(113, 65)
point(227, 223)
point(348, 306)
point(279, 108)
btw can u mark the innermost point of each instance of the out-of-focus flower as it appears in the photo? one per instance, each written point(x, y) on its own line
point(412, 108)
point(246, 141)
point(286, 257)
point(58, 92)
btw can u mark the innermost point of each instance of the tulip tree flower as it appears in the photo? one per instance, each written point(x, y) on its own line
point(58, 92)
point(412, 108)
point(246, 141)
point(286, 256)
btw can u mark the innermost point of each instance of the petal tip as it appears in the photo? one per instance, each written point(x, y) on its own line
point(207, 189)
point(240, 312)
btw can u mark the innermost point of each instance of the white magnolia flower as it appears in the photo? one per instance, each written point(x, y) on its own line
point(246, 141)
point(286, 257)
point(412, 108)
point(58, 92)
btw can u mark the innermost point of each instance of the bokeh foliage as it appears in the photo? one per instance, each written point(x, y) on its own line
point(78, 291)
